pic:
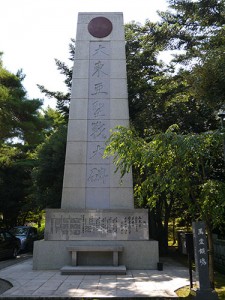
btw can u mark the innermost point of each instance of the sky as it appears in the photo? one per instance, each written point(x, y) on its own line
point(35, 32)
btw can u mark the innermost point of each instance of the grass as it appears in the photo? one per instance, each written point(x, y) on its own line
point(184, 292)
point(220, 285)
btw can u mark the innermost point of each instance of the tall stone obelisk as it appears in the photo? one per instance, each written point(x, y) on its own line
point(99, 102)
point(97, 207)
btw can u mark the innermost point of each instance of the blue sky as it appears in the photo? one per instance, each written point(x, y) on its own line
point(34, 32)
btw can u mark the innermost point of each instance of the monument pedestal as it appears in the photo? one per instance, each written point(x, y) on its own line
point(137, 255)
point(101, 233)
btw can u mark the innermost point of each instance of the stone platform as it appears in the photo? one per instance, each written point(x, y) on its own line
point(94, 270)
point(46, 284)
point(140, 255)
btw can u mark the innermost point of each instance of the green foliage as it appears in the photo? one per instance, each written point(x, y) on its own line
point(207, 80)
point(142, 49)
point(174, 169)
point(213, 203)
point(21, 128)
point(15, 182)
point(19, 117)
point(161, 95)
point(48, 173)
point(192, 25)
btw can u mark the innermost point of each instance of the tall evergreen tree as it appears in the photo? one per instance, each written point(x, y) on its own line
point(21, 129)
point(19, 116)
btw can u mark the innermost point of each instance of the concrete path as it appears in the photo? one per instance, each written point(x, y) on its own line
point(136, 283)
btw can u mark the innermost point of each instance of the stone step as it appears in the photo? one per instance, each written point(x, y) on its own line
point(93, 270)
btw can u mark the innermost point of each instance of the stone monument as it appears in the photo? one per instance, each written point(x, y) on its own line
point(203, 290)
point(97, 214)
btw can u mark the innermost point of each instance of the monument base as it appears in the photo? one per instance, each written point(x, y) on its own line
point(53, 255)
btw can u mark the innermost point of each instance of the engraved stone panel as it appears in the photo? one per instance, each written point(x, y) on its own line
point(97, 225)
point(98, 109)
point(99, 68)
point(95, 153)
point(98, 175)
point(98, 170)
point(99, 88)
point(98, 130)
point(99, 50)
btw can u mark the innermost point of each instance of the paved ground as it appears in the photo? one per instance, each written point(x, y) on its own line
point(4, 286)
point(9, 262)
point(136, 283)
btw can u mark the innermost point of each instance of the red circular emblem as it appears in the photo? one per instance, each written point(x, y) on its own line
point(100, 27)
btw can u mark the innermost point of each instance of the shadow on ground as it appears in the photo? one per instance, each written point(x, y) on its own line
point(4, 286)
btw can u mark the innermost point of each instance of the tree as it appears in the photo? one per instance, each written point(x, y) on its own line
point(195, 30)
point(19, 116)
point(142, 49)
point(175, 168)
point(50, 154)
point(192, 26)
point(22, 128)
point(160, 94)
point(48, 172)
point(208, 79)
point(15, 182)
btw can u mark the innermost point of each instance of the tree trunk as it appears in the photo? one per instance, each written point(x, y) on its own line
point(157, 229)
point(24, 218)
point(174, 235)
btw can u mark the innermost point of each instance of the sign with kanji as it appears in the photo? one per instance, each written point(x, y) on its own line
point(204, 290)
point(201, 254)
